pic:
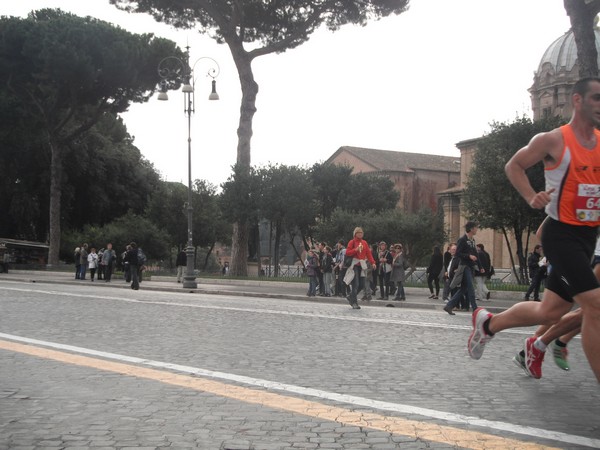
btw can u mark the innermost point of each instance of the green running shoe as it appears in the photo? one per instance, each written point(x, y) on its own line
point(520, 362)
point(560, 355)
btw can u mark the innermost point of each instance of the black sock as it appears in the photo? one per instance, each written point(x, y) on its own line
point(522, 353)
point(486, 327)
point(559, 343)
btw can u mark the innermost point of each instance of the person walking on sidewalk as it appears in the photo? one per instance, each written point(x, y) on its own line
point(571, 200)
point(481, 290)
point(180, 263)
point(537, 272)
point(468, 262)
point(356, 274)
point(436, 264)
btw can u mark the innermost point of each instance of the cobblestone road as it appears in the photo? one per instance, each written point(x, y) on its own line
point(87, 367)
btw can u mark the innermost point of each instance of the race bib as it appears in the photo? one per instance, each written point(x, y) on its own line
point(587, 202)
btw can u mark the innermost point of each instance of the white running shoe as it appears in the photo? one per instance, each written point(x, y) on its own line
point(478, 337)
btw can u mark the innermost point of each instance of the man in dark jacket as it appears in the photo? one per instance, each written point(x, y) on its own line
point(469, 261)
point(181, 264)
point(536, 273)
point(482, 292)
point(132, 259)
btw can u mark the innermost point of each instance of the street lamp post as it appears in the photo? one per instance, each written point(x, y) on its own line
point(174, 71)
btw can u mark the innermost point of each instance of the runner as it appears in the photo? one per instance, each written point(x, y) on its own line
point(571, 157)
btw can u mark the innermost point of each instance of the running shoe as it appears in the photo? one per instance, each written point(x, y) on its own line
point(534, 358)
point(478, 337)
point(560, 355)
point(520, 362)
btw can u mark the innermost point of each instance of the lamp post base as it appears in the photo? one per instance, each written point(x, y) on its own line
point(189, 279)
point(189, 282)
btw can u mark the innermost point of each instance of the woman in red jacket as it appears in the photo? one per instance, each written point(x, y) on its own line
point(360, 252)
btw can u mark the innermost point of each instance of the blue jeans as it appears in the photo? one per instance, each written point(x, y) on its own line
point(467, 289)
point(82, 270)
point(358, 283)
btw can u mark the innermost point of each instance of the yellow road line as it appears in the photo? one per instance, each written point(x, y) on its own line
point(394, 425)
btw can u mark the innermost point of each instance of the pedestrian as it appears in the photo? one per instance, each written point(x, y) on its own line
point(92, 262)
point(126, 271)
point(77, 258)
point(83, 261)
point(569, 233)
point(109, 258)
point(448, 256)
point(466, 252)
point(436, 264)
point(383, 266)
point(360, 252)
point(180, 263)
point(311, 271)
point(327, 269)
point(340, 269)
point(225, 269)
point(131, 258)
point(483, 274)
point(397, 277)
point(537, 266)
point(100, 270)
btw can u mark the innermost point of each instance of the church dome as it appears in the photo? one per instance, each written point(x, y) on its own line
point(561, 55)
point(557, 72)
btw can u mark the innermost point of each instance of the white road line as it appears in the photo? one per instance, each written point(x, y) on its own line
point(324, 395)
point(523, 332)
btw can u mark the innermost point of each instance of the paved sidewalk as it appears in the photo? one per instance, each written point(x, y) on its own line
point(415, 297)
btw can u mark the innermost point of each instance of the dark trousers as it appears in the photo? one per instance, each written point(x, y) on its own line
point(108, 269)
point(321, 285)
point(535, 285)
point(431, 278)
point(384, 284)
point(133, 271)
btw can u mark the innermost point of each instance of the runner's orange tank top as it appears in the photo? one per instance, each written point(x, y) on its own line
point(576, 180)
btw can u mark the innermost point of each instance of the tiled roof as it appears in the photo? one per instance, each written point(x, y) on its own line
point(389, 160)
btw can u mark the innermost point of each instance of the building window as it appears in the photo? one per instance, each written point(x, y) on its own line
point(546, 112)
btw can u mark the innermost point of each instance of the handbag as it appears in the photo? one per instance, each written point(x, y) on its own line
point(347, 261)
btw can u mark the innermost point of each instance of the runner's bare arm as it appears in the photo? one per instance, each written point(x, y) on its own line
point(542, 147)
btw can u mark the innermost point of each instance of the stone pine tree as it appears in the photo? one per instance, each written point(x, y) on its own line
point(582, 14)
point(253, 28)
point(66, 72)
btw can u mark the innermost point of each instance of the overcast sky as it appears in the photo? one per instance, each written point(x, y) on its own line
point(419, 82)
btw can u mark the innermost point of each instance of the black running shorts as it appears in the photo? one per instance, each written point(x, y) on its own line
point(569, 249)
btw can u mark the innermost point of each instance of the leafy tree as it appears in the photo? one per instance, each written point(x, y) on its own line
point(120, 232)
point(67, 72)
point(287, 198)
point(367, 191)
point(490, 198)
point(583, 18)
point(330, 182)
point(267, 27)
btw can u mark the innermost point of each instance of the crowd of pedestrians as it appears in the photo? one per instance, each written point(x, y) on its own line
point(102, 263)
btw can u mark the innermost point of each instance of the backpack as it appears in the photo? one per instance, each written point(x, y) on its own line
point(141, 257)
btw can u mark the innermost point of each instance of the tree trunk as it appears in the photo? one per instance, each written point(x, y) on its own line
point(56, 168)
point(239, 250)
point(239, 247)
point(582, 15)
